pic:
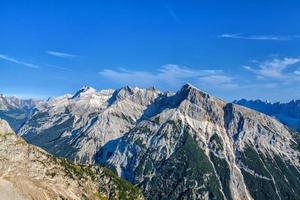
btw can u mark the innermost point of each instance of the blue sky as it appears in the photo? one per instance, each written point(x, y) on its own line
point(231, 49)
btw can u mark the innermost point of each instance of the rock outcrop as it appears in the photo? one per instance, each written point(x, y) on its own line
point(28, 172)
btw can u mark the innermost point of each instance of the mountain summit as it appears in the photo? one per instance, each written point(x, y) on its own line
point(84, 91)
point(184, 145)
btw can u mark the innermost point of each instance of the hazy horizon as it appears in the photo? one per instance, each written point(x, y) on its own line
point(99, 89)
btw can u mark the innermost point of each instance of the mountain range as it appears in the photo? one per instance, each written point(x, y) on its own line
point(183, 145)
point(287, 113)
point(15, 110)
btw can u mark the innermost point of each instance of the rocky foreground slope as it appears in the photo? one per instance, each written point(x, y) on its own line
point(27, 172)
point(187, 145)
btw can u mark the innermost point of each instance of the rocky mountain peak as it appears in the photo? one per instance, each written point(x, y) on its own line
point(152, 89)
point(84, 91)
point(190, 90)
point(188, 86)
point(194, 95)
point(125, 91)
point(121, 93)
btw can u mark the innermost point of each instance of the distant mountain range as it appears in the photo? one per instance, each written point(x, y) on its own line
point(15, 110)
point(183, 145)
point(286, 113)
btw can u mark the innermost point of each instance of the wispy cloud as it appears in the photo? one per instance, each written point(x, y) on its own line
point(61, 54)
point(171, 12)
point(30, 65)
point(258, 37)
point(169, 76)
point(216, 79)
point(273, 68)
point(13, 60)
point(297, 72)
point(220, 81)
point(275, 78)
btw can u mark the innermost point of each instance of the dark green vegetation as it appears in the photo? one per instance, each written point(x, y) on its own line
point(296, 144)
point(271, 177)
point(216, 143)
point(126, 189)
point(186, 174)
point(185, 169)
point(223, 172)
point(119, 188)
point(220, 164)
point(180, 175)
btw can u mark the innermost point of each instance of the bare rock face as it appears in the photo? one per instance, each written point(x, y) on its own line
point(200, 147)
point(287, 113)
point(187, 145)
point(77, 126)
point(4, 127)
point(27, 172)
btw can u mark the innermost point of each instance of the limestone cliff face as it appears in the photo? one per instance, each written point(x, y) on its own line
point(187, 145)
point(76, 126)
point(27, 172)
point(196, 146)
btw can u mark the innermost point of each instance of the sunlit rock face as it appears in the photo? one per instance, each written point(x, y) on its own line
point(28, 172)
point(76, 126)
point(186, 145)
